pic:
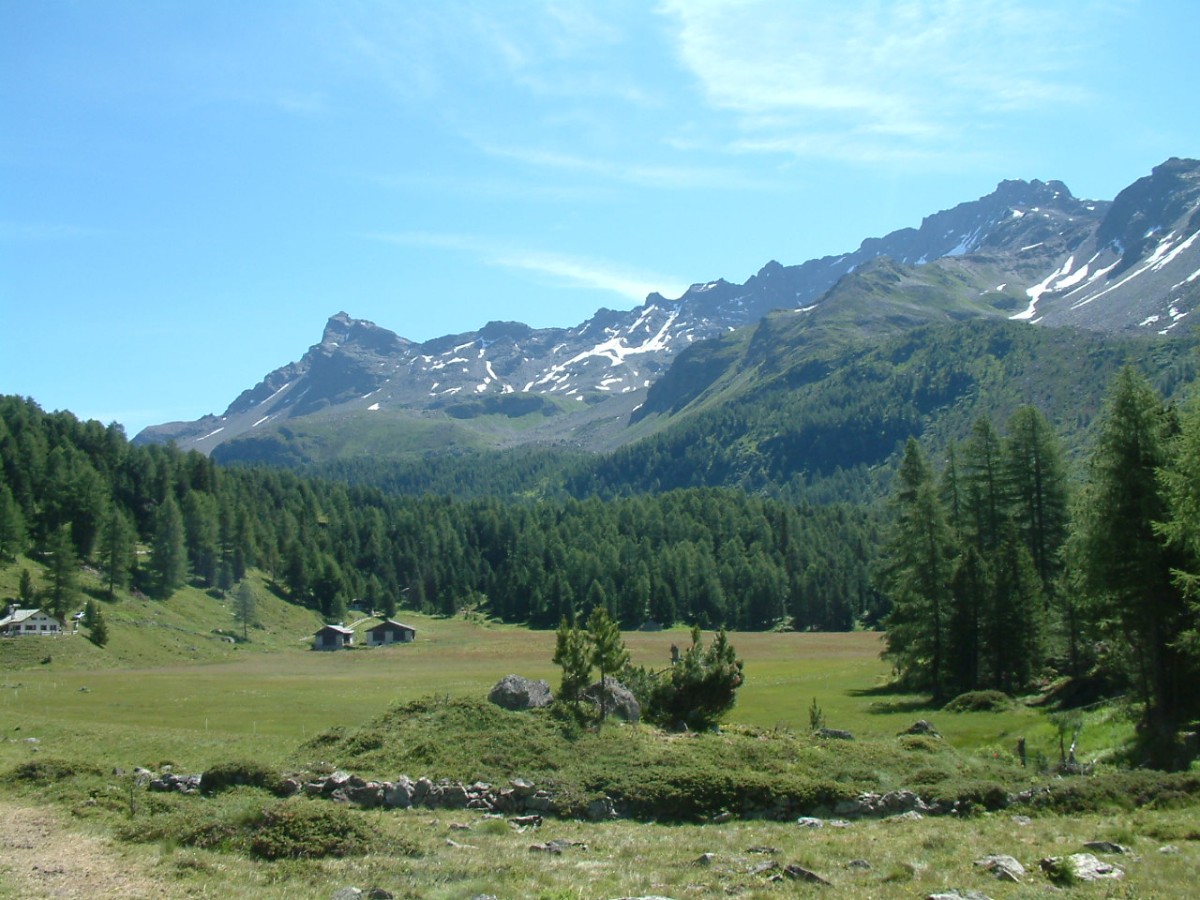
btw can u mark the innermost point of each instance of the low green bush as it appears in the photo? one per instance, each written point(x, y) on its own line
point(979, 701)
point(51, 770)
point(308, 830)
point(240, 773)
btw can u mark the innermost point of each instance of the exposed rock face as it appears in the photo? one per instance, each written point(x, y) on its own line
point(517, 693)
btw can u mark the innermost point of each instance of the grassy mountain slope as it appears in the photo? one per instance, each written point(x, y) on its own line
point(786, 416)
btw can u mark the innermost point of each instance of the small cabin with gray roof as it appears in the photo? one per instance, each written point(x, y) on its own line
point(333, 637)
point(390, 631)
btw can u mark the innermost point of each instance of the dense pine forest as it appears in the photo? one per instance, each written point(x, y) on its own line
point(154, 518)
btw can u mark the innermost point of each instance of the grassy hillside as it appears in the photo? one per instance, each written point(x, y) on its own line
point(192, 626)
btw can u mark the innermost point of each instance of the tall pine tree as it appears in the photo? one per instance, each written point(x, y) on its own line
point(916, 576)
point(168, 553)
point(1126, 566)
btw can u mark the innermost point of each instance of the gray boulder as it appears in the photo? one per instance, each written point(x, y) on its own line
point(517, 693)
point(618, 699)
point(1084, 866)
point(1005, 868)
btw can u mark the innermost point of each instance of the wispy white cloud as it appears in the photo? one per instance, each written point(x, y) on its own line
point(872, 80)
point(45, 231)
point(565, 269)
point(639, 174)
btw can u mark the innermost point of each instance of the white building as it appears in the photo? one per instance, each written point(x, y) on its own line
point(28, 621)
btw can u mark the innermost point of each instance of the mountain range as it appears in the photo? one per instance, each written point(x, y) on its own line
point(1029, 252)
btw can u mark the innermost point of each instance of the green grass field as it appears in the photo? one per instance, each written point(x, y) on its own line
point(170, 688)
point(271, 694)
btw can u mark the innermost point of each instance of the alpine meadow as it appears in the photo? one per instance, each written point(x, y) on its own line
point(874, 573)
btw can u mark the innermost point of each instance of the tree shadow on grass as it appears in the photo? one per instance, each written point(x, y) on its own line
point(902, 700)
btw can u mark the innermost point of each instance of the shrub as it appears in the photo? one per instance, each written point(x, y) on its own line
point(242, 773)
point(701, 687)
point(979, 701)
point(308, 830)
point(50, 770)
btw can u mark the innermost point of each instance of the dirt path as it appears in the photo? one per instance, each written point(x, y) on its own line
point(39, 857)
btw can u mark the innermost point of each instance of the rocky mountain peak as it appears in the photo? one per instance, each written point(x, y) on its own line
point(1029, 250)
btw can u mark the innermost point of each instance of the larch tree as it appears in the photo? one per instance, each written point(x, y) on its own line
point(1126, 565)
point(245, 607)
point(916, 575)
point(1180, 482)
point(1035, 476)
point(168, 552)
point(64, 572)
point(116, 549)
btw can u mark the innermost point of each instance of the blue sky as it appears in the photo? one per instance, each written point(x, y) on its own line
point(188, 190)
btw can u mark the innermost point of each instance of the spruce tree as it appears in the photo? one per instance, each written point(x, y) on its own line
point(99, 629)
point(25, 590)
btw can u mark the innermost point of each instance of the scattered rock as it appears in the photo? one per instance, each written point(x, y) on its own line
point(1084, 866)
point(555, 848)
point(959, 895)
point(525, 821)
point(458, 846)
point(459, 826)
point(1168, 849)
point(1005, 868)
point(810, 822)
point(889, 804)
point(768, 850)
point(799, 873)
point(835, 734)
point(347, 893)
point(921, 726)
point(517, 693)
point(601, 808)
point(1022, 820)
point(1105, 847)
